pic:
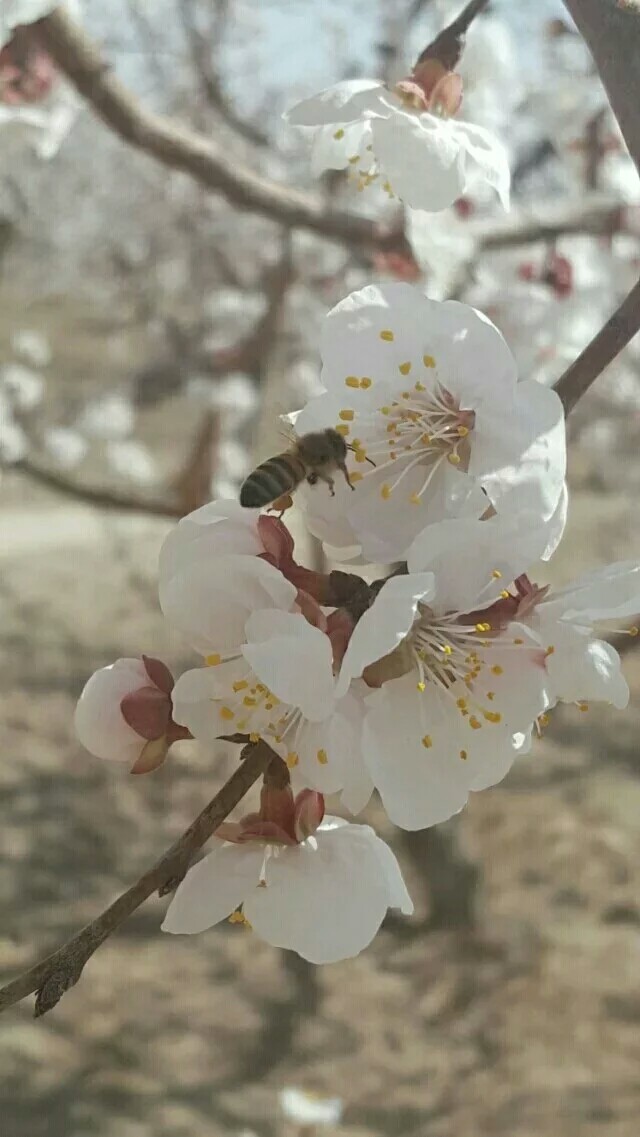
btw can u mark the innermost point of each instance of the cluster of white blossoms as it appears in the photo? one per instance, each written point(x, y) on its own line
point(424, 684)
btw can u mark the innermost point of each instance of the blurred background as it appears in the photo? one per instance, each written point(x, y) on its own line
point(150, 333)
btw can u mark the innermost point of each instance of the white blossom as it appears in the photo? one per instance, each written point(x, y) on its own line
point(124, 713)
point(418, 154)
point(427, 396)
point(305, 1108)
point(324, 898)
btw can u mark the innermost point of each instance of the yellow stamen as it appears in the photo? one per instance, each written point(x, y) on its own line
point(354, 159)
point(342, 428)
point(414, 499)
point(360, 456)
point(420, 387)
point(249, 701)
point(352, 381)
point(366, 382)
point(385, 492)
point(356, 477)
point(226, 713)
point(387, 335)
point(455, 459)
point(292, 759)
point(550, 650)
point(213, 660)
point(427, 741)
point(240, 685)
point(518, 640)
point(322, 757)
point(404, 368)
point(425, 438)
point(544, 720)
point(421, 686)
point(346, 415)
point(474, 723)
point(338, 134)
point(462, 433)
point(633, 630)
point(254, 737)
point(504, 594)
point(428, 361)
point(385, 410)
point(496, 574)
point(492, 716)
point(464, 755)
point(491, 695)
point(583, 707)
point(497, 669)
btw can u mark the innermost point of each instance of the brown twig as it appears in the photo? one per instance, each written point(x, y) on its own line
point(58, 972)
point(609, 342)
point(448, 46)
point(103, 498)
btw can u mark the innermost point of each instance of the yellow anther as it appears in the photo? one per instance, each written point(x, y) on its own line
point(352, 381)
point(414, 499)
point(518, 640)
point(404, 368)
point(356, 477)
point(240, 685)
point(365, 382)
point(425, 438)
point(391, 427)
point(428, 361)
point(346, 415)
point(385, 410)
point(492, 716)
point(249, 701)
point(447, 649)
point(633, 630)
point(583, 707)
point(420, 387)
point(462, 433)
point(550, 650)
point(292, 759)
point(322, 757)
point(226, 713)
point(479, 627)
point(342, 428)
point(213, 660)
point(356, 443)
point(497, 669)
point(474, 723)
point(385, 492)
point(455, 459)
point(421, 686)
point(236, 918)
point(461, 703)
point(504, 594)
point(338, 134)
point(427, 741)
point(269, 706)
point(464, 755)
point(360, 456)
point(544, 720)
point(254, 737)
point(387, 335)
point(406, 395)
point(496, 574)
point(491, 695)
point(354, 159)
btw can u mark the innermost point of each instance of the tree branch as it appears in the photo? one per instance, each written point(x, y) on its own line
point(58, 972)
point(103, 498)
point(448, 46)
point(609, 342)
point(182, 149)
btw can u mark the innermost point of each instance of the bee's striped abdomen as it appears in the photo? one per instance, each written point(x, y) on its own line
point(272, 479)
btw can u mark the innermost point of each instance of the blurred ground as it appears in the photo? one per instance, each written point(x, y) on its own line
point(531, 1028)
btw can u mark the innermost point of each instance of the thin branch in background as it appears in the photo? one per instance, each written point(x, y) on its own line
point(200, 49)
point(89, 495)
point(448, 46)
point(53, 976)
point(604, 347)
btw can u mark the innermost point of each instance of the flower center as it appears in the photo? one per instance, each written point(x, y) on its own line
point(423, 428)
point(251, 708)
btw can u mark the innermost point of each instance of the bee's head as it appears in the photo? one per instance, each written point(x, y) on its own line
point(336, 445)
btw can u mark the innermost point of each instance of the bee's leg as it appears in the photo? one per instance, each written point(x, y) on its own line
point(343, 469)
point(320, 476)
point(312, 480)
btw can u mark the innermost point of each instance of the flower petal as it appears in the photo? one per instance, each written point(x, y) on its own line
point(293, 659)
point(490, 159)
point(422, 159)
point(196, 699)
point(611, 592)
point(210, 600)
point(327, 898)
point(583, 668)
point(386, 623)
point(216, 529)
point(344, 102)
point(213, 888)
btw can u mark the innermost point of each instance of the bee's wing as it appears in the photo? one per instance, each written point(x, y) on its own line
point(286, 428)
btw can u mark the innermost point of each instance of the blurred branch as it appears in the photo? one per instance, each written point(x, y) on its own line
point(604, 347)
point(103, 498)
point(448, 46)
point(53, 976)
point(209, 80)
point(612, 33)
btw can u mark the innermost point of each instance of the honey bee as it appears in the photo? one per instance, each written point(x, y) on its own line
point(313, 457)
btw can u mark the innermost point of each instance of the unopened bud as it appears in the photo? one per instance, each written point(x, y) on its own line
point(308, 813)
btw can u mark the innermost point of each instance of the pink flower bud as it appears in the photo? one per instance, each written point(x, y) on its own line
point(309, 812)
